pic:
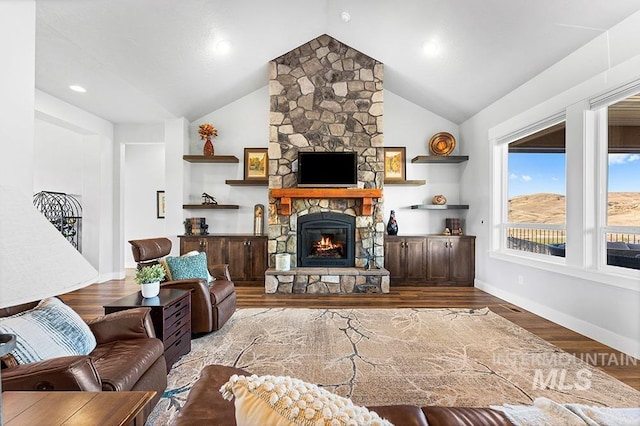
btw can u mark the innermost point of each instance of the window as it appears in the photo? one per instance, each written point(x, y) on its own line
point(536, 169)
point(622, 231)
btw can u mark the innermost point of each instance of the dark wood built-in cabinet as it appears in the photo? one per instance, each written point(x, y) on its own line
point(430, 260)
point(246, 254)
point(406, 259)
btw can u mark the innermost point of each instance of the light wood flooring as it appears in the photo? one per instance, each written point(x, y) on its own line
point(89, 301)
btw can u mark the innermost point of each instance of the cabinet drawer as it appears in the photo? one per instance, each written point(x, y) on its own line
point(170, 338)
point(180, 347)
point(171, 310)
point(176, 321)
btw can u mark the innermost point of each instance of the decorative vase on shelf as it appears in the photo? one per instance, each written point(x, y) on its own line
point(150, 289)
point(392, 225)
point(208, 148)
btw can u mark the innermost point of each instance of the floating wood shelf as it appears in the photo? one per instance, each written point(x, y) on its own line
point(249, 182)
point(441, 207)
point(209, 206)
point(285, 196)
point(212, 159)
point(435, 159)
point(415, 182)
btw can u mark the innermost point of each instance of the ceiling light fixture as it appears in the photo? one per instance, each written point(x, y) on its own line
point(77, 88)
point(430, 47)
point(223, 47)
point(345, 16)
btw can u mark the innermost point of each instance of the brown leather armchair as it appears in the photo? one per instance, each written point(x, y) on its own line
point(127, 357)
point(211, 304)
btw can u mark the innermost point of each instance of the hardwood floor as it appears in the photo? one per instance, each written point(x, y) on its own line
point(88, 302)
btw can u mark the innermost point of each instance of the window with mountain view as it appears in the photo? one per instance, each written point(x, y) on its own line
point(536, 192)
point(622, 230)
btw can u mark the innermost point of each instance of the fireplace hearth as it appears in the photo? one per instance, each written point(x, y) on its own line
point(326, 239)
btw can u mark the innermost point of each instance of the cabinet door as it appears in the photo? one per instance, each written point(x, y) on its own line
point(438, 259)
point(394, 259)
point(462, 260)
point(216, 251)
point(238, 256)
point(188, 244)
point(258, 263)
point(416, 260)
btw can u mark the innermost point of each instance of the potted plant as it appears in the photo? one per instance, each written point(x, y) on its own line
point(149, 278)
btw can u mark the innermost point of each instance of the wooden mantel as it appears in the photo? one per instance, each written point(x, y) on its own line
point(286, 194)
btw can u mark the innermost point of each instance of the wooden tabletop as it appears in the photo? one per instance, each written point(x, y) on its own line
point(74, 408)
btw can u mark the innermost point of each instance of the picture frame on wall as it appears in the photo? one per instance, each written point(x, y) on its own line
point(160, 204)
point(256, 163)
point(395, 164)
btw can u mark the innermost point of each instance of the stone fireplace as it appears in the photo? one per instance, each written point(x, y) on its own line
point(326, 96)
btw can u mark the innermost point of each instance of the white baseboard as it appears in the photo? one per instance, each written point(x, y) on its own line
point(111, 276)
point(607, 337)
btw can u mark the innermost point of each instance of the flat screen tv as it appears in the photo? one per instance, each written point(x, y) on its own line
point(327, 169)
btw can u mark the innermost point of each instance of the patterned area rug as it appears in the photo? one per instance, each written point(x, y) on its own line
point(390, 356)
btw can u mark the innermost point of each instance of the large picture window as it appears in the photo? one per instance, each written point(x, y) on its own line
point(536, 169)
point(622, 231)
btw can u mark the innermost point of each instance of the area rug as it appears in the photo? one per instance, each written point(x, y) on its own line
point(470, 357)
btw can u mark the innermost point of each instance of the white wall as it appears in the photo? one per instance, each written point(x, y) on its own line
point(17, 74)
point(409, 125)
point(93, 136)
point(585, 304)
point(241, 124)
point(144, 173)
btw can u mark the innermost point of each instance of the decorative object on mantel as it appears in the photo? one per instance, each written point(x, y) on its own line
point(208, 199)
point(392, 226)
point(206, 132)
point(447, 231)
point(439, 200)
point(442, 144)
point(258, 219)
point(196, 226)
point(149, 278)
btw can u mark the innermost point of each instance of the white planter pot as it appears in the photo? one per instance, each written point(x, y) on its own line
point(150, 289)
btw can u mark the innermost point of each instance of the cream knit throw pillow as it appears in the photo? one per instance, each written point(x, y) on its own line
point(281, 400)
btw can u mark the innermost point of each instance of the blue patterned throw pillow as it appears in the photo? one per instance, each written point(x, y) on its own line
point(183, 268)
point(50, 330)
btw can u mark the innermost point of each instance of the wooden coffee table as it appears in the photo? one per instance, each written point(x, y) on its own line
point(74, 408)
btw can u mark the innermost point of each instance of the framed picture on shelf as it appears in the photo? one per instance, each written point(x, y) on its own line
point(395, 165)
point(255, 163)
point(160, 206)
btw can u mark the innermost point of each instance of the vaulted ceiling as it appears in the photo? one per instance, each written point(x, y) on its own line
point(146, 60)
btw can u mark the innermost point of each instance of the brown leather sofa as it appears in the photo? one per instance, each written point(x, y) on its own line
point(211, 304)
point(205, 405)
point(127, 357)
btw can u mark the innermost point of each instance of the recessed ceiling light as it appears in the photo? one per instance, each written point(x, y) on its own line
point(223, 47)
point(345, 16)
point(77, 88)
point(430, 47)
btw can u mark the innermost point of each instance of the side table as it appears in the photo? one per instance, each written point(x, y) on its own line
point(171, 316)
point(75, 408)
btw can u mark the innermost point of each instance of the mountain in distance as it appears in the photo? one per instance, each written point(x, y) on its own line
point(624, 208)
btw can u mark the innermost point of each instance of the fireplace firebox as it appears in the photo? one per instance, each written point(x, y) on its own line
point(326, 239)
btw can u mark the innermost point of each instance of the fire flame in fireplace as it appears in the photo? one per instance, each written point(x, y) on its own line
point(326, 246)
